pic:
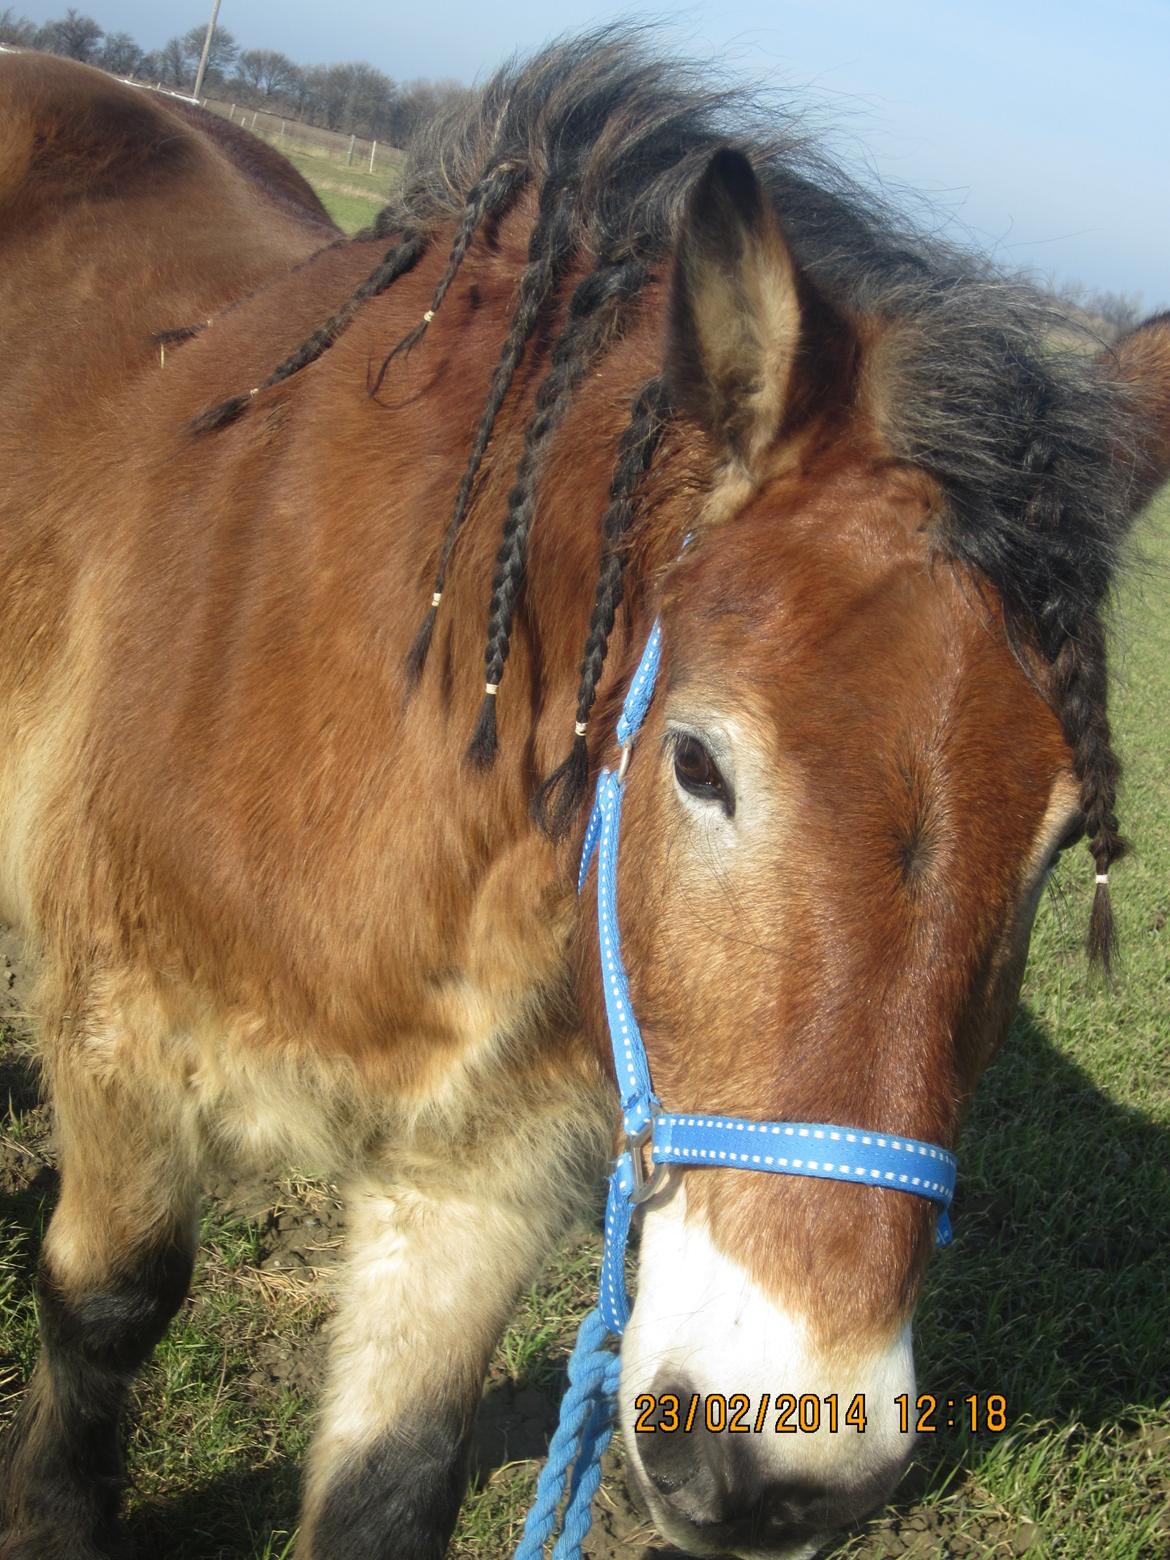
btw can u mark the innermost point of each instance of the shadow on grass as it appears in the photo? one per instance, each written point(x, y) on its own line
point(239, 1515)
point(1054, 1293)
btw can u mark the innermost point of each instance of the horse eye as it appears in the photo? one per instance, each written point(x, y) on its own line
point(697, 772)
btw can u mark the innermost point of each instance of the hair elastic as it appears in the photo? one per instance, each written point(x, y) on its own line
point(491, 689)
point(1103, 879)
point(579, 728)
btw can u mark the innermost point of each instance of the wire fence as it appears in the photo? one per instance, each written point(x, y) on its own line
point(291, 135)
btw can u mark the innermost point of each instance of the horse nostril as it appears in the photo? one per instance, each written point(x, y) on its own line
point(799, 1507)
point(691, 1463)
point(723, 1491)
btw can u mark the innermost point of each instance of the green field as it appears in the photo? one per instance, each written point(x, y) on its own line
point(1056, 1292)
point(352, 196)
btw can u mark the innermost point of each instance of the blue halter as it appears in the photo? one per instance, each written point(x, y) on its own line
point(824, 1152)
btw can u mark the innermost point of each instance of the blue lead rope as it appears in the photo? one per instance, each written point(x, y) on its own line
point(572, 1473)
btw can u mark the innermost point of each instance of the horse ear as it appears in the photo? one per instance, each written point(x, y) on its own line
point(1143, 357)
point(734, 310)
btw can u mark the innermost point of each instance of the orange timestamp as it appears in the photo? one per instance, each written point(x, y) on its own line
point(807, 1413)
point(788, 1413)
point(927, 1413)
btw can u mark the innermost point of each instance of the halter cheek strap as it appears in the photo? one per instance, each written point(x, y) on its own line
point(689, 1138)
point(692, 1138)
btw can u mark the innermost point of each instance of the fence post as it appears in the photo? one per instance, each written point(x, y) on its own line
point(282, 129)
point(349, 154)
point(373, 150)
point(253, 121)
point(232, 113)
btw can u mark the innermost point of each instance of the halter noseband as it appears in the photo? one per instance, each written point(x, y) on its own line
point(693, 1139)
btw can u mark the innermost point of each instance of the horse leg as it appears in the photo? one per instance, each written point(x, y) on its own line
point(115, 1266)
point(430, 1282)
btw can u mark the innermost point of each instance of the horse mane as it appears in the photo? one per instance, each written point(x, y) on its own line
point(983, 384)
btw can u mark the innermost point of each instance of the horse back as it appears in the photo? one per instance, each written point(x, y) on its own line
point(121, 216)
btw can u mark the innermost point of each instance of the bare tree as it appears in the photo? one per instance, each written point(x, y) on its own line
point(17, 30)
point(221, 56)
point(168, 65)
point(1110, 314)
point(120, 54)
point(420, 101)
point(266, 72)
point(354, 98)
point(74, 35)
point(1122, 311)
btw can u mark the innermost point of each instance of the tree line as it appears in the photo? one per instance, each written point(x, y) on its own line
point(357, 98)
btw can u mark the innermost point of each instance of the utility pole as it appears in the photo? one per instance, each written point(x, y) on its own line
point(206, 48)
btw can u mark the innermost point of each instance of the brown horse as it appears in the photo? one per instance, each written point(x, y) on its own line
point(283, 907)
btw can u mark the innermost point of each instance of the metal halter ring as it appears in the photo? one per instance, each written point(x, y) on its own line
point(645, 1186)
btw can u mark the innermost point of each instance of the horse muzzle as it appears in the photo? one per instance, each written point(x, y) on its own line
point(714, 1494)
point(746, 1438)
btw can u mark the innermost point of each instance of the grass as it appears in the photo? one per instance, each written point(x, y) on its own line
point(1055, 1294)
point(352, 196)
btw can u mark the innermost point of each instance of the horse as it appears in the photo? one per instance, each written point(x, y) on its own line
point(326, 568)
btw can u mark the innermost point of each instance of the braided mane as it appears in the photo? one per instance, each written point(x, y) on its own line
point(1028, 440)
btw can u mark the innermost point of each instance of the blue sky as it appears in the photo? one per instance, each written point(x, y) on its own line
point(1042, 128)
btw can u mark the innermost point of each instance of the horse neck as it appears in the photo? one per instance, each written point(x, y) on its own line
point(434, 399)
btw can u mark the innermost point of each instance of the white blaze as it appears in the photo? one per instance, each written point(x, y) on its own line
point(701, 1321)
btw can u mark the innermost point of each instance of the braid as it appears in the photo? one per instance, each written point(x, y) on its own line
point(1072, 636)
point(176, 337)
point(1082, 703)
point(635, 453)
point(395, 263)
point(549, 251)
point(490, 198)
point(592, 315)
